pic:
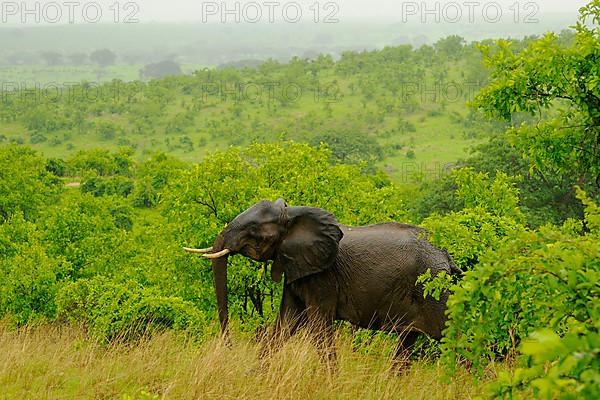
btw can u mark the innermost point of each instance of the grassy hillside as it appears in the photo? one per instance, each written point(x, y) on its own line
point(406, 106)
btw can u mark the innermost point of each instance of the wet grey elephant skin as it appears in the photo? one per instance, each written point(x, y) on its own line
point(365, 275)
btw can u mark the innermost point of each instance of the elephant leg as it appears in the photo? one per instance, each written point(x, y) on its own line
point(401, 361)
point(322, 330)
point(291, 317)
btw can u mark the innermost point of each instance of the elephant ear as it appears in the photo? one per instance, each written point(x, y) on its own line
point(309, 246)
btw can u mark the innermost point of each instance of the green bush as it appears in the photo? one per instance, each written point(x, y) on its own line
point(25, 184)
point(545, 279)
point(98, 185)
point(56, 166)
point(102, 162)
point(90, 233)
point(152, 176)
point(29, 278)
point(125, 310)
point(490, 214)
point(350, 148)
point(559, 368)
point(37, 138)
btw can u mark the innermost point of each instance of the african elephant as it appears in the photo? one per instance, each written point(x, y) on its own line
point(365, 275)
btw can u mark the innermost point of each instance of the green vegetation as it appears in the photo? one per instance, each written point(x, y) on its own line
point(91, 239)
point(59, 361)
point(398, 108)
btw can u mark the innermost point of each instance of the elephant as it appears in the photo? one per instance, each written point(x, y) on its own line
point(365, 275)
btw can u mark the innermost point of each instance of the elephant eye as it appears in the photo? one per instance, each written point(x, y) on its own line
point(268, 235)
point(268, 231)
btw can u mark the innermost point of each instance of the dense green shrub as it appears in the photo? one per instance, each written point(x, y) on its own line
point(102, 162)
point(490, 214)
point(98, 185)
point(89, 232)
point(29, 276)
point(56, 166)
point(350, 148)
point(125, 310)
point(25, 184)
point(545, 279)
point(152, 176)
point(544, 198)
point(559, 368)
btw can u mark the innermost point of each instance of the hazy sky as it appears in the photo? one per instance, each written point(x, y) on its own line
point(456, 11)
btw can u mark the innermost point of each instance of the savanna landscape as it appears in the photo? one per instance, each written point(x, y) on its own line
point(113, 161)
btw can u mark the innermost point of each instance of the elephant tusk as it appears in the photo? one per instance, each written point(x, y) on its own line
point(217, 255)
point(198, 251)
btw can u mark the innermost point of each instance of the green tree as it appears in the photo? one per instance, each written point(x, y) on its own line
point(350, 148)
point(25, 184)
point(103, 57)
point(450, 47)
point(558, 83)
point(28, 282)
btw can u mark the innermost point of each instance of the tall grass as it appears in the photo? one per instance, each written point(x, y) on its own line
point(60, 362)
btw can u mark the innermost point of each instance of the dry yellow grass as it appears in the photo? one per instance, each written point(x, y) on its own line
point(59, 362)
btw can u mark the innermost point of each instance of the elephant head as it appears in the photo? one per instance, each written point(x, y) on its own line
point(300, 240)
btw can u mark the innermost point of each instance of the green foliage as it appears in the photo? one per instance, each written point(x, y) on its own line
point(227, 183)
point(544, 198)
point(145, 194)
point(350, 148)
point(434, 286)
point(97, 185)
point(534, 279)
point(559, 368)
point(592, 211)
point(29, 278)
point(451, 46)
point(559, 83)
point(434, 197)
point(25, 184)
point(489, 215)
point(89, 233)
point(152, 176)
point(110, 309)
point(498, 197)
point(102, 162)
point(56, 166)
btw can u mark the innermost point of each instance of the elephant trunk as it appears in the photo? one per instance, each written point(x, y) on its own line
point(219, 267)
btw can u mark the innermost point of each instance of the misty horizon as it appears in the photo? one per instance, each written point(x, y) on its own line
point(31, 13)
